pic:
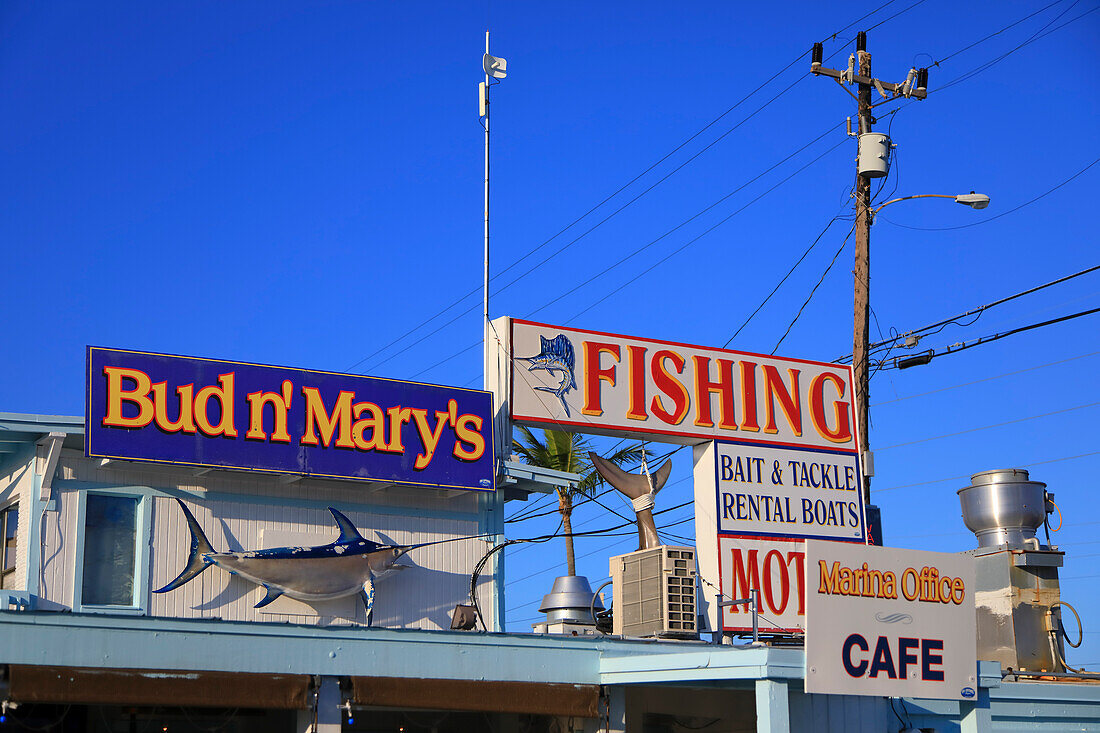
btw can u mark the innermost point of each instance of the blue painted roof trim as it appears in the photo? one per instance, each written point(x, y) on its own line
point(132, 642)
point(41, 424)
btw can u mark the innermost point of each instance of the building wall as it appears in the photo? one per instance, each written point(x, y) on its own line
point(16, 485)
point(244, 511)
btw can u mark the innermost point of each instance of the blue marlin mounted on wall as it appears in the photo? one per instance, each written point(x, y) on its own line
point(347, 566)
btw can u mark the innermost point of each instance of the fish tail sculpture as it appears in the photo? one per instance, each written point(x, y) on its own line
point(641, 490)
point(349, 565)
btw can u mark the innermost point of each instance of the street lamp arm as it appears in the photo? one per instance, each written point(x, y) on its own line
point(915, 196)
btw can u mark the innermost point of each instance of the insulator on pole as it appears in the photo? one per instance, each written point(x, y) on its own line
point(818, 54)
point(922, 79)
point(861, 41)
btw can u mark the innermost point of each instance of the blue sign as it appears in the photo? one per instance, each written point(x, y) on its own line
point(224, 414)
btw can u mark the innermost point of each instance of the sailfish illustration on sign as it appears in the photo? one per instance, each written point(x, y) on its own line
point(349, 565)
point(556, 356)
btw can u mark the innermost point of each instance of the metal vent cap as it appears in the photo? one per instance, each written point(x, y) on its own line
point(1003, 506)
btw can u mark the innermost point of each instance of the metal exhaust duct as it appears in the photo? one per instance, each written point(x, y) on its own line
point(1017, 594)
point(1003, 507)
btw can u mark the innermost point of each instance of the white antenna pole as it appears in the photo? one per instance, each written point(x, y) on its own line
point(485, 302)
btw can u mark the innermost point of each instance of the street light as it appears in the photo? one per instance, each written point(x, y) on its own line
point(973, 200)
point(861, 346)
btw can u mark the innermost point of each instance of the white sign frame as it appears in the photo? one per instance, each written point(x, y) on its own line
point(771, 400)
point(786, 477)
point(914, 637)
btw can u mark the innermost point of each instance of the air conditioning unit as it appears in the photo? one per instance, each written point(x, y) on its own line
point(654, 593)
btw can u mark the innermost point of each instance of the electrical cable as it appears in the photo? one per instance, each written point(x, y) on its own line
point(637, 251)
point(985, 379)
point(782, 280)
point(995, 33)
point(964, 345)
point(1035, 37)
point(981, 308)
point(597, 206)
point(967, 475)
point(692, 241)
point(988, 427)
point(886, 20)
point(637, 177)
point(814, 290)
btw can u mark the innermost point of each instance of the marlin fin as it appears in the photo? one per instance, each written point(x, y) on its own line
point(272, 594)
point(196, 560)
point(348, 532)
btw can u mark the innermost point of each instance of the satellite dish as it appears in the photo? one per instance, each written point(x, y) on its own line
point(494, 67)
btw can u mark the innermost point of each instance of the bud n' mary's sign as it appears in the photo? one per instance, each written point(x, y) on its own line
point(615, 385)
point(202, 412)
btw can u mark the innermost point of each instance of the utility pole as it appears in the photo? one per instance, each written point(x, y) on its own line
point(862, 317)
point(872, 162)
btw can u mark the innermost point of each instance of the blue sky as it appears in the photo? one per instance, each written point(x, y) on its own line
point(300, 184)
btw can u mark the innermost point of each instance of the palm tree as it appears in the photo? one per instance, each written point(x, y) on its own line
point(564, 451)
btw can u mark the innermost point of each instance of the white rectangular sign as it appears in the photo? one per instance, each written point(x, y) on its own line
point(774, 566)
point(889, 622)
point(619, 385)
point(788, 492)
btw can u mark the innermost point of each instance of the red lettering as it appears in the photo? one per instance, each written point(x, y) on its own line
point(842, 433)
point(775, 557)
point(594, 374)
point(704, 388)
point(670, 386)
point(789, 400)
point(748, 397)
point(745, 578)
point(636, 361)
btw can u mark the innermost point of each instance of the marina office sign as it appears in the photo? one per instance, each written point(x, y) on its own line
point(662, 390)
point(224, 414)
point(889, 622)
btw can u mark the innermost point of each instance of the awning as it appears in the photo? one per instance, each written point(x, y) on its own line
point(83, 686)
point(533, 698)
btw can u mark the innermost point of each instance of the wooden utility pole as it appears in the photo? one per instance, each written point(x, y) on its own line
point(862, 272)
point(859, 74)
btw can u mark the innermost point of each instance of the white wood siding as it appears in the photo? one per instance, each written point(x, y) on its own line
point(16, 485)
point(236, 509)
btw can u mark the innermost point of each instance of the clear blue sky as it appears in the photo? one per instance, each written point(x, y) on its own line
point(300, 184)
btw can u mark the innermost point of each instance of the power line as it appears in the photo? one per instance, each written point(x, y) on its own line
point(996, 33)
point(814, 289)
point(783, 280)
point(607, 269)
point(685, 222)
point(988, 427)
point(886, 20)
point(664, 259)
point(1035, 37)
point(977, 311)
point(967, 475)
point(963, 346)
point(668, 175)
point(695, 239)
point(986, 379)
point(633, 180)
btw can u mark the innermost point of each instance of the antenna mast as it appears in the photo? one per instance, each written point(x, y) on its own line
point(494, 68)
point(485, 355)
